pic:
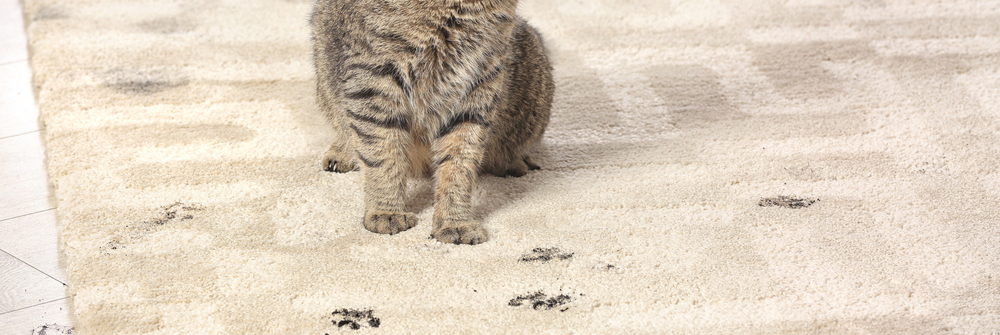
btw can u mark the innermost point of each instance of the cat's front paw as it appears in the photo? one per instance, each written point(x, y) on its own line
point(460, 232)
point(389, 222)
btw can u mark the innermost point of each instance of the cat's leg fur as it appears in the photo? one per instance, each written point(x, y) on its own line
point(457, 155)
point(385, 173)
point(459, 149)
point(379, 127)
point(341, 157)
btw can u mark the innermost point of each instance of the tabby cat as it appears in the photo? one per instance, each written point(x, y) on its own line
point(442, 88)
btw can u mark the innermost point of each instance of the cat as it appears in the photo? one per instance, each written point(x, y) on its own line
point(446, 89)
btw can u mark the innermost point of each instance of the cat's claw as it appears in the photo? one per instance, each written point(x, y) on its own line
point(335, 160)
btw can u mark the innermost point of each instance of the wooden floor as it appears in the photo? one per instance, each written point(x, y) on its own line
point(32, 283)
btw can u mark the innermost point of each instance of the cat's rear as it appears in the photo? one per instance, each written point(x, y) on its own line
point(452, 87)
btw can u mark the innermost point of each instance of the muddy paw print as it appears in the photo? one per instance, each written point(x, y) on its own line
point(541, 301)
point(786, 202)
point(134, 232)
point(545, 255)
point(355, 319)
point(52, 329)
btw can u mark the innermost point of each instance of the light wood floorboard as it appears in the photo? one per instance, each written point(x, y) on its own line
point(32, 290)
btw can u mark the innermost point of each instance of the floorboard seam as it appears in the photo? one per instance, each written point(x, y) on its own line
point(35, 305)
point(33, 267)
point(29, 214)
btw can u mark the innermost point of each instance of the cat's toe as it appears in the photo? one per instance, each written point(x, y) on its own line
point(339, 165)
point(463, 232)
point(389, 222)
point(519, 168)
point(515, 173)
point(531, 164)
point(332, 165)
point(336, 160)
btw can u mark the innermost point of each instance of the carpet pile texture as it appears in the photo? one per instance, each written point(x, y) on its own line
point(726, 166)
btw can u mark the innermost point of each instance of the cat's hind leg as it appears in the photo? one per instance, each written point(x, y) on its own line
point(340, 158)
point(517, 168)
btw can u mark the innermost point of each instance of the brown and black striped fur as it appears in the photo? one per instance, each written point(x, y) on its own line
point(442, 88)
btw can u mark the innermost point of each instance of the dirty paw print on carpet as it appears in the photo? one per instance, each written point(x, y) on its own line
point(541, 301)
point(174, 213)
point(52, 329)
point(545, 254)
point(355, 319)
point(178, 211)
point(786, 202)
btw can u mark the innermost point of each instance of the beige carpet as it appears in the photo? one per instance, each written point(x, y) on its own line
point(711, 167)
